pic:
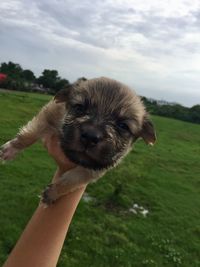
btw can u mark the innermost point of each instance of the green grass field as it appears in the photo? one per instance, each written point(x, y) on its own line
point(164, 179)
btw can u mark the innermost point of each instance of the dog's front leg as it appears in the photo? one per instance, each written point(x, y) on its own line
point(26, 137)
point(69, 182)
point(44, 123)
point(10, 149)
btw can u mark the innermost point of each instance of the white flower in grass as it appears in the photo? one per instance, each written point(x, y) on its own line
point(133, 210)
point(144, 212)
point(135, 206)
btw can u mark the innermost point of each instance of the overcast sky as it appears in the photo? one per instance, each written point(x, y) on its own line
point(151, 45)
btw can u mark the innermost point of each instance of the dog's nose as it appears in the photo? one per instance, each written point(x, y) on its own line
point(91, 137)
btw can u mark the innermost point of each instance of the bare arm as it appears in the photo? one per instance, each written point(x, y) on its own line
point(41, 242)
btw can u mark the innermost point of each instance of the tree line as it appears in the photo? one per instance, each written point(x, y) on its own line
point(173, 110)
point(25, 80)
point(50, 82)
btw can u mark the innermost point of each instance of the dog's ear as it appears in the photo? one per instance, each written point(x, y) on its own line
point(148, 132)
point(63, 94)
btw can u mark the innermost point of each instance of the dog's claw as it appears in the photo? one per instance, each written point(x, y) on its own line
point(49, 195)
point(8, 151)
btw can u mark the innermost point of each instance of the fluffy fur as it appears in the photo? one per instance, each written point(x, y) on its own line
point(97, 122)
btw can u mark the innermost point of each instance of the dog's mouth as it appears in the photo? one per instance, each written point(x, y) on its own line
point(89, 155)
point(84, 158)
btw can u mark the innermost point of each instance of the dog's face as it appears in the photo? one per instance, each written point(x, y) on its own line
point(103, 119)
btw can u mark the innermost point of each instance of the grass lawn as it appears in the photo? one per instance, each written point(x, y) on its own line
point(164, 179)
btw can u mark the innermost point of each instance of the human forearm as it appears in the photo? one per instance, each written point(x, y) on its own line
point(42, 240)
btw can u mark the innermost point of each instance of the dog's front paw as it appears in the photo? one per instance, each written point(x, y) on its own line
point(49, 195)
point(8, 151)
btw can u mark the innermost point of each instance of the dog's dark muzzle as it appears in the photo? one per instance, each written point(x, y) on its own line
point(90, 136)
point(86, 144)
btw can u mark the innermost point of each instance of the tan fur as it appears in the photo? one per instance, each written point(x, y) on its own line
point(112, 97)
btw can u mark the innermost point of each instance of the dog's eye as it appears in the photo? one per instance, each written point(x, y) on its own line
point(79, 109)
point(123, 126)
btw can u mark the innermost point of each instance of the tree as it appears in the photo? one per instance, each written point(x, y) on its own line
point(60, 84)
point(195, 113)
point(50, 80)
point(28, 75)
point(14, 75)
point(13, 70)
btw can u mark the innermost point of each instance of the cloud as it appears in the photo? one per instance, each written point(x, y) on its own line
point(151, 45)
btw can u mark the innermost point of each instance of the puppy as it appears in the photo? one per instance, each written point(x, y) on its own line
point(97, 121)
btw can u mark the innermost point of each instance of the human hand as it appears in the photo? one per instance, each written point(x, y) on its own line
point(52, 144)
